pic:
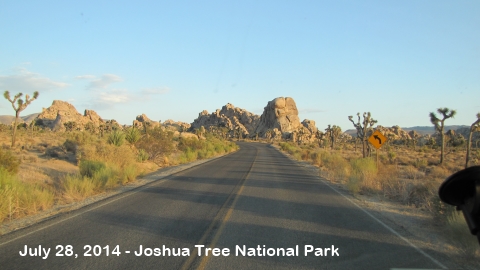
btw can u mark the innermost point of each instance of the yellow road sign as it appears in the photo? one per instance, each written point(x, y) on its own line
point(377, 139)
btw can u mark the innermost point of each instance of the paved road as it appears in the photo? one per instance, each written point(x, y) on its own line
point(253, 201)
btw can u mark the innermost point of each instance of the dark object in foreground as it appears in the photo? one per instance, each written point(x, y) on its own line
point(462, 189)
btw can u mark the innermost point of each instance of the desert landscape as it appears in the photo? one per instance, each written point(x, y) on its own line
point(61, 156)
point(240, 134)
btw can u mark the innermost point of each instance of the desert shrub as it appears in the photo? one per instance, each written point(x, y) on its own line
point(438, 172)
point(106, 177)
point(188, 156)
point(116, 138)
point(132, 135)
point(8, 161)
point(420, 163)
point(18, 199)
point(192, 149)
point(77, 187)
point(129, 174)
point(316, 157)
point(142, 155)
point(82, 138)
point(120, 156)
point(338, 168)
point(70, 145)
point(391, 156)
point(421, 194)
point(363, 174)
point(190, 143)
point(89, 167)
point(305, 154)
point(411, 172)
point(288, 147)
point(158, 144)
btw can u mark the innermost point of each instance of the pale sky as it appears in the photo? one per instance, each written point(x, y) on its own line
point(399, 60)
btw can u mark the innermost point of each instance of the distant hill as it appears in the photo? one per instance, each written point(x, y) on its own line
point(8, 119)
point(424, 130)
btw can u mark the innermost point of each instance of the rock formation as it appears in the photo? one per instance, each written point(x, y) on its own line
point(140, 121)
point(60, 113)
point(280, 113)
point(310, 125)
point(178, 126)
point(279, 120)
point(394, 134)
point(230, 117)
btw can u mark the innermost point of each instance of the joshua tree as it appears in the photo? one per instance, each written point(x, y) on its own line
point(21, 105)
point(475, 127)
point(440, 124)
point(333, 133)
point(363, 128)
point(415, 136)
point(319, 135)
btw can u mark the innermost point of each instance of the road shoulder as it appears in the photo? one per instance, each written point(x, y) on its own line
point(414, 224)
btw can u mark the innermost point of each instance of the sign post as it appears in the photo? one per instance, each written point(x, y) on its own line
point(377, 140)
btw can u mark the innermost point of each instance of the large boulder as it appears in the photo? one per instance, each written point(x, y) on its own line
point(280, 113)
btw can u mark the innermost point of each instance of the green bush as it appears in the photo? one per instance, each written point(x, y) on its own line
point(142, 155)
point(364, 172)
point(354, 184)
point(337, 166)
point(90, 167)
point(129, 174)
point(105, 177)
point(288, 147)
point(9, 162)
point(116, 138)
point(365, 168)
point(77, 187)
point(158, 144)
point(132, 135)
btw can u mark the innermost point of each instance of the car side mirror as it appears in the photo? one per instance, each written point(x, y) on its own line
point(462, 189)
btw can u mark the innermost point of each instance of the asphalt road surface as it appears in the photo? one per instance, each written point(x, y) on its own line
point(259, 208)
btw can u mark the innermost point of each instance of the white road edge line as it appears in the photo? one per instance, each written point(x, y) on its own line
point(83, 212)
point(388, 227)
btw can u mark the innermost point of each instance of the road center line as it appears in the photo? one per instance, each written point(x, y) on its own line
point(215, 221)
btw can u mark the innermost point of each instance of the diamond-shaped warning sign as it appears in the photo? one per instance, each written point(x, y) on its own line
point(377, 139)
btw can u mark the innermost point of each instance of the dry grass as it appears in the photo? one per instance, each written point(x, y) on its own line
point(49, 172)
point(408, 176)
